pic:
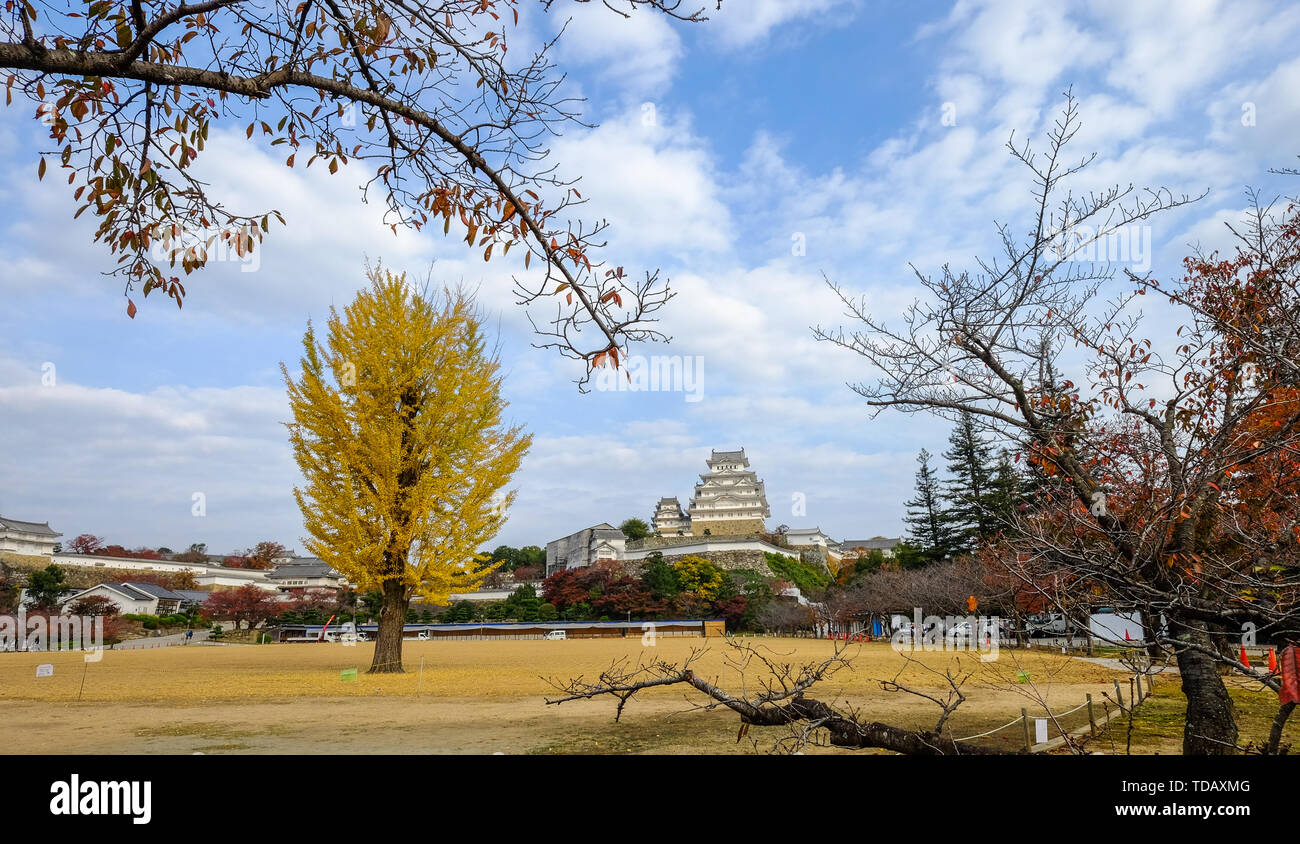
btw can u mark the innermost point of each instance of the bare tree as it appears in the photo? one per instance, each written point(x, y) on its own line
point(1147, 461)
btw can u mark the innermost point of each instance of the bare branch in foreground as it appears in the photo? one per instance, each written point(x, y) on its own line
point(782, 702)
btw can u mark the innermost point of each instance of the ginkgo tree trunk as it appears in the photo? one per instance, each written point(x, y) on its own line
point(398, 430)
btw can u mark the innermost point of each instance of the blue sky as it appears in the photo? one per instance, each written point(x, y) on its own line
point(819, 118)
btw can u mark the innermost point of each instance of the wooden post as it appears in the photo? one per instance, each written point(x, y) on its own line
point(1092, 721)
point(1024, 721)
point(419, 688)
point(1134, 697)
point(1119, 696)
point(1151, 685)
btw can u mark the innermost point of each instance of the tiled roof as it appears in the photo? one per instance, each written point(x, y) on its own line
point(871, 544)
point(151, 590)
point(41, 528)
point(301, 567)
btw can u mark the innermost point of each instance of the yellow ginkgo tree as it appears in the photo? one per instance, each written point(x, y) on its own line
point(398, 430)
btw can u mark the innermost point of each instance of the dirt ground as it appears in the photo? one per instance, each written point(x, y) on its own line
point(476, 697)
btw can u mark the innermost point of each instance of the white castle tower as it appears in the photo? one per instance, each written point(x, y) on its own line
point(729, 499)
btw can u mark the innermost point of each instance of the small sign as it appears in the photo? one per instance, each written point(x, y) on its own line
point(1040, 730)
point(348, 674)
point(45, 670)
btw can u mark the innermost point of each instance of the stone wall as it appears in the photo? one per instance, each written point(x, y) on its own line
point(652, 542)
point(816, 556)
point(728, 560)
point(727, 527)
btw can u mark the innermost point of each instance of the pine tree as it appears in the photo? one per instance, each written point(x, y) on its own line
point(926, 521)
point(1007, 493)
point(969, 490)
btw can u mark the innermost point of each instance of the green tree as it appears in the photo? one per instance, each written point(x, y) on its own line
point(523, 604)
point(507, 556)
point(1006, 493)
point(532, 556)
point(635, 529)
point(659, 577)
point(461, 612)
point(909, 556)
point(928, 524)
point(45, 587)
point(869, 564)
point(970, 486)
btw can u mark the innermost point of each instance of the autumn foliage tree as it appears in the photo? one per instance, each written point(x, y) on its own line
point(1153, 458)
point(86, 543)
point(260, 556)
point(398, 430)
point(249, 605)
point(451, 127)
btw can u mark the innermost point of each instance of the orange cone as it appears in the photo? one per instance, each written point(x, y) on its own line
point(1127, 638)
point(1272, 662)
point(1245, 660)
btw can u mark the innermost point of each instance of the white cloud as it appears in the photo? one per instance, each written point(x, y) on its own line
point(654, 180)
point(743, 24)
point(639, 53)
point(127, 465)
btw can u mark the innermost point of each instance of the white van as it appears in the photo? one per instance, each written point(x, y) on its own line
point(555, 635)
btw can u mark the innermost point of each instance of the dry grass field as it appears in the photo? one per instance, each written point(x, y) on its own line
point(473, 696)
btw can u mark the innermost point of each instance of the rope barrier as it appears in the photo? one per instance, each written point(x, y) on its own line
point(990, 732)
point(1050, 714)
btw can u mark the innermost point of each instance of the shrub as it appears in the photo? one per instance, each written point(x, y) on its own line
point(92, 605)
point(803, 576)
point(150, 622)
point(700, 576)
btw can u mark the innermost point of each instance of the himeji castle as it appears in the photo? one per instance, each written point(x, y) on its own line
point(729, 500)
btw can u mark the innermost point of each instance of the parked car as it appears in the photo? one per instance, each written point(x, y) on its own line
point(555, 635)
point(960, 630)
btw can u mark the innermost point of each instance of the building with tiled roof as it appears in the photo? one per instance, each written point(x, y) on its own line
point(27, 538)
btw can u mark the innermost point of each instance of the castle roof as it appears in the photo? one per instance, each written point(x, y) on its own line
point(728, 456)
point(41, 528)
point(879, 542)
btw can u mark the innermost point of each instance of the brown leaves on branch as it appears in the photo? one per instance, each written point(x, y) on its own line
point(1183, 507)
point(455, 127)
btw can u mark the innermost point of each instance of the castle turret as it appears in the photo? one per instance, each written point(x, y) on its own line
point(669, 519)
